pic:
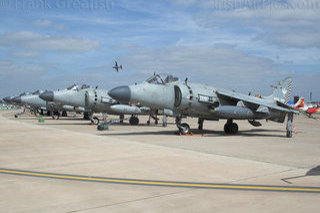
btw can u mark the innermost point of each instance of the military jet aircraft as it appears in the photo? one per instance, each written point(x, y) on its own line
point(93, 100)
point(36, 103)
point(209, 103)
point(116, 67)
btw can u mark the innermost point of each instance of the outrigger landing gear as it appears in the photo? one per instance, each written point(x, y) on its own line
point(290, 125)
point(200, 122)
point(231, 128)
point(134, 120)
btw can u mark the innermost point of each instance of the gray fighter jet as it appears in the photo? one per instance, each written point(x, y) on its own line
point(209, 103)
point(35, 103)
point(93, 100)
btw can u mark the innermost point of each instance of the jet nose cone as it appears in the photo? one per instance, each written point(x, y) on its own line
point(17, 100)
point(122, 93)
point(47, 96)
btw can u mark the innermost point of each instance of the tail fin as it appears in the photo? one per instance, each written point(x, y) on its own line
point(300, 103)
point(282, 91)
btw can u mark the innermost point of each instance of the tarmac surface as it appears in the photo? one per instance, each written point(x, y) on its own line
point(67, 165)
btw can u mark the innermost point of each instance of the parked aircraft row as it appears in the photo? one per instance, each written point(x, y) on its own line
point(170, 96)
point(81, 99)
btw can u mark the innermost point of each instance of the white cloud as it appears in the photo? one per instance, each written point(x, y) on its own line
point(43, 23)
point(47, 24)
point(24, 54)
point(37, 41)
point(8, 69)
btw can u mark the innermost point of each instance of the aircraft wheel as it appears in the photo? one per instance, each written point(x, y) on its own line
point(289, 134)
point(55, 117)
point(156, 122)
point(121, 119)
point(16, 116)
point(227, 128)
point(234, 128)
point(148, 123)
point(95, 120)
point(64, 114)
point(86, 116)
point(184, 129)
point(134, 120)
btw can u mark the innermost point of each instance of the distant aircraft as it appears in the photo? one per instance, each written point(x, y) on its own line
point(307, 109)
point(116, 67)
point(209, 103)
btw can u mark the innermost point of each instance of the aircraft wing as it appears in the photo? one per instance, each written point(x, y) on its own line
point(251, 100)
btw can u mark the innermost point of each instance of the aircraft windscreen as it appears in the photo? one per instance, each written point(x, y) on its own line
point(162, 79)
point(72, 87)
point(85, 86)
point(36, 92)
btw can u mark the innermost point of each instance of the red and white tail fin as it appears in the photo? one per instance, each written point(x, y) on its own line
point(300, 103)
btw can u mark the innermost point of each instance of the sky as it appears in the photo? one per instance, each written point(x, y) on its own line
point(234, 44)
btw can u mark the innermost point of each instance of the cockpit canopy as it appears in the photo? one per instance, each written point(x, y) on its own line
point(72, 87)
point(36, 92)
point(84, 86)
point(76, 87)
point(162, 78)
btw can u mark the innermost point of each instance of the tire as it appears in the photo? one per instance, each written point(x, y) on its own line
point(227, 128)
point(184, 129)
point(156, 122)
point(234, 128)
point(64, 114)
point(134, 121)
point(289, 134)
point(95, 120)
point(55, 117)
point(148, 123)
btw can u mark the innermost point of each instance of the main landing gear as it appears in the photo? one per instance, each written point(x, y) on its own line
point(231, 128)
point(55, 115)
point(134, 120)
point(64, 114)
point(184, 128)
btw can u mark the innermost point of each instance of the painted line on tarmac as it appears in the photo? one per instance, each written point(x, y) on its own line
point(271, 188)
